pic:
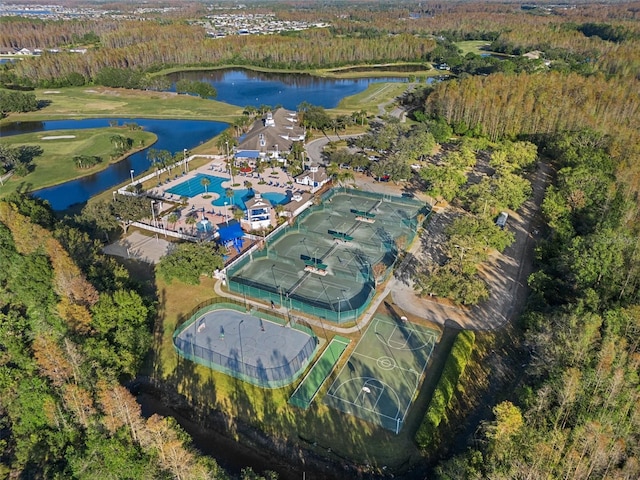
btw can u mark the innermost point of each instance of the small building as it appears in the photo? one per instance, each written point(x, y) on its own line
point(314, 177)
point(258, 214)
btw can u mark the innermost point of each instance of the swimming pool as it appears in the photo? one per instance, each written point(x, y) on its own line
point(193, 186)
point(241, 196)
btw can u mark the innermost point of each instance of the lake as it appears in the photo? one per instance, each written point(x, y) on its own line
point(234, 86)
point(247, 87)
point(173, 135)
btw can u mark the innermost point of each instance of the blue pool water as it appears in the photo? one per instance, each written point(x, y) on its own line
point(241, 196)
point(193, 186)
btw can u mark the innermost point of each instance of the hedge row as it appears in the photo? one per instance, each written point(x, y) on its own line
point(461, 351)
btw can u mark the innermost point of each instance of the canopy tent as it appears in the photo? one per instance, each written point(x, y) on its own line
point(231, 236)
point(230, 232)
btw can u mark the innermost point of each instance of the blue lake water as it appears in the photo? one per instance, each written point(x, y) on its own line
point(173, 135)
point(245, 87)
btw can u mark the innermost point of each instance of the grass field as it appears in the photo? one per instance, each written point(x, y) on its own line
point(331, 431)
point(56, 165)
point(369, 99)
point(472, 46)
point(86, 102)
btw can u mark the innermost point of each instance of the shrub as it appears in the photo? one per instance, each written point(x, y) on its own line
point(427, 434)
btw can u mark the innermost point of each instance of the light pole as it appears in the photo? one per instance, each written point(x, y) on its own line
point(229, 162)
point(241, 351)
point(153, 214)
point(226, 216)
point(462, 250)
point(131, 173)
point(186, 164)
point(280, 290)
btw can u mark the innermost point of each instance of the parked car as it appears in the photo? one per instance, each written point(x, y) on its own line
point(502, 219)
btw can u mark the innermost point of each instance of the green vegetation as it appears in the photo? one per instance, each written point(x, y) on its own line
point(16, 102)
point(85, 102)
point(427, 435)
point(71, 331)
point(57, 155)
point(187, 262)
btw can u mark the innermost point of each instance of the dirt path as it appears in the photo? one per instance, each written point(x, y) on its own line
point(506, 273)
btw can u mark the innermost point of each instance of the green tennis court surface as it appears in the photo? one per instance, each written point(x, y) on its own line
point(324, 264)
point(381, 377)
point(306, 391)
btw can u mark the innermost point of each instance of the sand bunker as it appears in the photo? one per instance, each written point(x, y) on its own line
point(57, 137)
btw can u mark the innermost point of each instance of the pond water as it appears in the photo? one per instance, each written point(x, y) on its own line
point(235, 86)
point(173, 135)
point(246, 87)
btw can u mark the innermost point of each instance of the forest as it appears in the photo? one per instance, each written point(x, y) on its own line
point(75, 326)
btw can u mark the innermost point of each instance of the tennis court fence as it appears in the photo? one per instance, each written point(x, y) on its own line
point(265, 377)
point(272, 377)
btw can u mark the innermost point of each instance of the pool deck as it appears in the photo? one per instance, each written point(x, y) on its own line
point(202, 205)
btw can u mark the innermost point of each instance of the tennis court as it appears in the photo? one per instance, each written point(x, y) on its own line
point(324, 264)
point(383, 374)
point(248, 347)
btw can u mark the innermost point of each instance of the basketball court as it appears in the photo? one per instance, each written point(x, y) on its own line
point(383, 374)
point(245, 346)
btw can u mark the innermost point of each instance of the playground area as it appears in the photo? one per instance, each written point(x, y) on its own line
point(381, 377)
point(328, 264)
point(251, 347)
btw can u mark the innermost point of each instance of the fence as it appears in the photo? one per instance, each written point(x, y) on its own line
point(272, 377)
point(324, 310)
point(265, 377)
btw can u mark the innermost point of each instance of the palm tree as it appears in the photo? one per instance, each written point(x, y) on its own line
point(238, 213)
point(260, 166)
point(278, 209)
point(345, 177)
point(205, 182)
point(173, 219)
point(333, 169)
point(248, 185)
point(229, 194)
point(191, 220)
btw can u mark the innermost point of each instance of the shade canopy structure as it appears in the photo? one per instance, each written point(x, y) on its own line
point(230, 233)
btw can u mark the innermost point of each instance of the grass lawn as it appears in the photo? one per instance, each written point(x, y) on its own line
point(472, 46)
point(334, 434)
point(87, 102)
point(369, 99)
point(56, 165)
